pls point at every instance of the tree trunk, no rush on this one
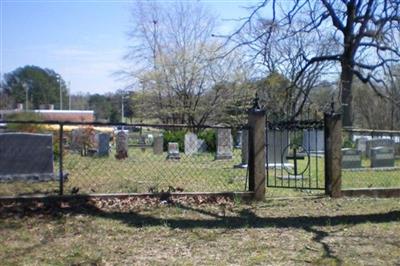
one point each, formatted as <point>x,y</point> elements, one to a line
<point>346,80</point>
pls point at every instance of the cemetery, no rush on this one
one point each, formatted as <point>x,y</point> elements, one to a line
<point>199,132</point>
<point>116,162</point>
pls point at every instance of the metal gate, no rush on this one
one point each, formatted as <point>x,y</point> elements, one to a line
<point>295,154</point>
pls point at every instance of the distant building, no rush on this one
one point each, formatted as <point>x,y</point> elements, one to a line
<point>47,113</point>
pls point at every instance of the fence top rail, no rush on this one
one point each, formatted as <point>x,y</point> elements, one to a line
<point>296,124</point>
<point>371,131</point>
<point>68,123</point>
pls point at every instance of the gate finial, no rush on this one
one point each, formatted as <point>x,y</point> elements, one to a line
<point>332,106</point>
<point>256,104</point>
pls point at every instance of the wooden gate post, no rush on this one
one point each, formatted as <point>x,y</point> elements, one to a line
<point>333,154</point>
<point>256,163</point>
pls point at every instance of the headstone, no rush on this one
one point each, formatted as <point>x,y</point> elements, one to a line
<point>238,142</point>
<point>244,150</point>
<point>313,141</point>
<point>158,145</point>
<point>26,157</point>
<point>142,140</point>
<point>83,140</point>
<point>277,148</point>
<point>201,145</point>
<point>173,151</point>
<point>121,145</point>
<point>76,136</point>
<point>373,143</point>
<point>361,145</point>
<point>382,157</point>
<point>351,158</point>
<point>142,143</point>
<point>103,144</point>
<point>224,144</point>
<point>397,149</point>
<point>190,143</point>
<point>149,139</point>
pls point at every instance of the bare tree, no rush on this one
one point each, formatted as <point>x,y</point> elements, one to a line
<point>363,35</point>
<point>176,62</point>
<point>287,56</point>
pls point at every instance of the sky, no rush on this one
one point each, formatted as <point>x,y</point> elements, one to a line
<point>83,40</point>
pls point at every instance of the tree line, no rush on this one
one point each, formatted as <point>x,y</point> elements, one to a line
<point>298,60</point>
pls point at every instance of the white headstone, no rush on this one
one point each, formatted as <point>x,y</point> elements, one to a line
<point>191,146</point>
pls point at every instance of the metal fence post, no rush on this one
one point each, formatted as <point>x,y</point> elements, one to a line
<point>333,154</point>
<point>256,120</point>
<point>60,158</point>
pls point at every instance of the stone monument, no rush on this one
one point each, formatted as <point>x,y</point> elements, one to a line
<point>224,144</point>
<point>26,157</point>
<point>351,158</point>
<point>121,145</point>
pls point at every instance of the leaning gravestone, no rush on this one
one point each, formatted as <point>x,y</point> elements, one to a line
<point>277,148</point>
<point>201,145</point>
<point>351,158</point>
<point>173,151</point>
<point>224,144</point>
<point>245,149</point>
<point>26,157</point>
<point>382,157</point>
<point>103,144</point>
<point>373,143</point>
<point>361,145</point>
<point>190,143</point>
<point>313,141</point>
<point>121,145</point>
<point>158,145</point>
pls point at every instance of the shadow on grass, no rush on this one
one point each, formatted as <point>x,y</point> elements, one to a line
<point>244,218</point>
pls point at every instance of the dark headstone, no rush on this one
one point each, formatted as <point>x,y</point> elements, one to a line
<point>397,150</point>
<point>382,157</point>
<point>351,158</point>
<point>26,157</point>
<point>378,143</point>
<point>239,137</point>
<point>103,144</point>
<point>121,145</point>
<point>158,145</point>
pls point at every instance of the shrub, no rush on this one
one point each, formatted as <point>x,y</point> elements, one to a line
<point>25,116</point>
<point>210,137</point>
<point>174,136</point>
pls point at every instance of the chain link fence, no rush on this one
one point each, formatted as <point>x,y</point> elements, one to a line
<point>370,159</point>
<point>113,158</point>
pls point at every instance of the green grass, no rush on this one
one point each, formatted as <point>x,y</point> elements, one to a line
<point>371,177</point>
<point>322,231</point>
<point>143,171</point>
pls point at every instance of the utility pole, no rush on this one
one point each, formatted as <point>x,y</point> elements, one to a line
<point>59,83</point>
<point>122,108</point>
<point>69,95</point>
<point>26,87</point>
